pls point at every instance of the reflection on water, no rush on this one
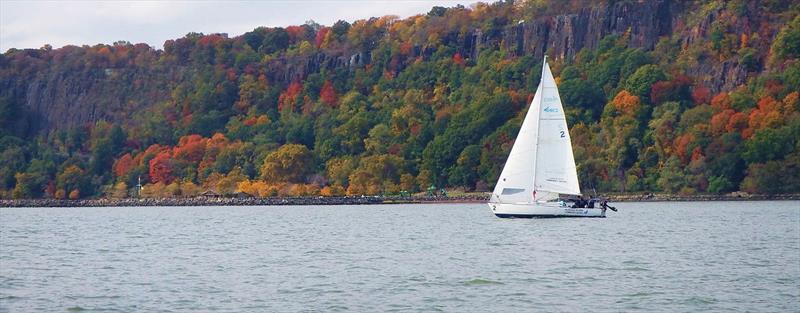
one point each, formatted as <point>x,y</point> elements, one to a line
<point>685,256</point>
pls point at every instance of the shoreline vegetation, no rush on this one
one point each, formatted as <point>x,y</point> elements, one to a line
<point>359,200</point>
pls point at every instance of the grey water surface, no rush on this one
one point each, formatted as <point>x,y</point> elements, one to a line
<point>678,256</point>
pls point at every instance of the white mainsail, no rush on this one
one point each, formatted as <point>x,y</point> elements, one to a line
<point>541,164</point>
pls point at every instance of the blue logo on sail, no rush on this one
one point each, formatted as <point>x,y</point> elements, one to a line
<point>551,110</point>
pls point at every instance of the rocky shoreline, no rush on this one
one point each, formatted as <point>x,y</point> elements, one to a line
<point>356,200</point>
<point>222,201</point>
<point>734,196</point>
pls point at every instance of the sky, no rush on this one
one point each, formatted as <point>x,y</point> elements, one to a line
<point>32,24</point>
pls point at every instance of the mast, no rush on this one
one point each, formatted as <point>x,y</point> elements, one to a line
<point>538,128</point>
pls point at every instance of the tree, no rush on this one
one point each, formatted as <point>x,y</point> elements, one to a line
<point>787,43</point>
<point>771,144</point>
<point>584,96</point>
<point>642,80</point>
<point>379,140</point>
<point>328,94</point>
<point>465,173</point>
<point>290,163</point>
<point>339,169</point>
<point>161,168</point>
<point>275,39</point>
<point>12,161</point>
<point>123,165</point>
<point>28,185</point>
<point>773,176</point>
<point>75,180</point>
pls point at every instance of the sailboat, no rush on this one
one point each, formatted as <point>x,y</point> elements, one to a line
<point>541,166</point>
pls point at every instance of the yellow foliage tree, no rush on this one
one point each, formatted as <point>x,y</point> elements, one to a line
<point>626,103</point>
<point>338,169</point>
<point>297,190</point>
<point>173,189</point>
<point>190,189</point>
<point>408,182</point>
<point>290,163</point>
<point>332,191</point>
<point>120,190</point>
<point>153,190</point>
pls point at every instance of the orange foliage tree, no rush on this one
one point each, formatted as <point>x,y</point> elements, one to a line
<point>289,98</point>
<point>123,165</point>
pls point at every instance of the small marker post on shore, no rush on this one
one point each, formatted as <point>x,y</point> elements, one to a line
<point>139,187</point>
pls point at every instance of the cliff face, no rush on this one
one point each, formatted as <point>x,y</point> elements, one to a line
<point>565,35</point>
<point>67,99</point>
<point>64,97</point>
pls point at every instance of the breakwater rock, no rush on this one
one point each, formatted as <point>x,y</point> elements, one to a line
<point>222,201</point>
<point>359,200</point>
<point>733,196</point>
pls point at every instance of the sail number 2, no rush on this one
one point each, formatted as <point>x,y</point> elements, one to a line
<point>562,133</point>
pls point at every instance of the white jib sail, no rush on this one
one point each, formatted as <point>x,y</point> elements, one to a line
<point>555,163</point>
<point>541,164</point>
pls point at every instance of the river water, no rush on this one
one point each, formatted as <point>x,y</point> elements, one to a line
<point>680,256</point>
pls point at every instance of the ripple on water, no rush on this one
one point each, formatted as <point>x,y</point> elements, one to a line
<point>481,281</point>
<point>428,258</point>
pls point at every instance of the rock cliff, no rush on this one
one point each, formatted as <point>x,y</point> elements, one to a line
<point>60,96</point>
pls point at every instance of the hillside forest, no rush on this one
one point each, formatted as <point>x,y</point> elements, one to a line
<point>661,96</point>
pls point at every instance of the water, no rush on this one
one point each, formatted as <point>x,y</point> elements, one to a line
<point>721,256</point>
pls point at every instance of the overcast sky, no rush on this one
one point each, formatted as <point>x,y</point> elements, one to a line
<point>32,24</point>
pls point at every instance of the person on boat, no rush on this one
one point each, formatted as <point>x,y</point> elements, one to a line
<point>590,204</point>
<point>604,205</point>
<point>579,203</point>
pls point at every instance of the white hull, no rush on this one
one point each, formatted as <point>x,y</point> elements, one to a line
<point>550,209</point>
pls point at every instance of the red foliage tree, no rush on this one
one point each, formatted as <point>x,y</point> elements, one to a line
<point>682,146</point>
<point>190,148</point>
<point>296,33</point>
<point>289,97</point>
<point>701,94</point>
<point>671,90</point>
<point>328,94</point>
<point>161,168</point>
<point>320,38</point>
<point>697,153</point>
<point>659,91</point>
<point>457,59</point>
<point>210,40</point>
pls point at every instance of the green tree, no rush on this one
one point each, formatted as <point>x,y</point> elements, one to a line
<point>643,79</point>
<point>29,185</point>
<point>465,173</point>
<point>787,43</point>
<point>74,178</point>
